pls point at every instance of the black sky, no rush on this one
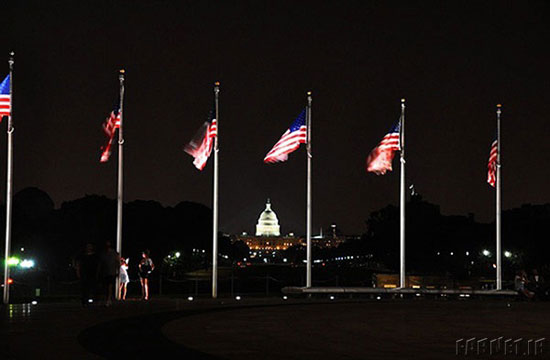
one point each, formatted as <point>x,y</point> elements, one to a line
<point>453,62</point>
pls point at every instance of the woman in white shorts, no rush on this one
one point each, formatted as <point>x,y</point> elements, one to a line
<point>124,279</point>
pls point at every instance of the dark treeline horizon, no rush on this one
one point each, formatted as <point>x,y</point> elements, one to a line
<point>435,242</point>
<point>59,204</point>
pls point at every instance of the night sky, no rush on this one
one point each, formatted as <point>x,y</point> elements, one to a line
<point>453,64</point>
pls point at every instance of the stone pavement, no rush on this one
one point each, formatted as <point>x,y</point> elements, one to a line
<point>269,328</point>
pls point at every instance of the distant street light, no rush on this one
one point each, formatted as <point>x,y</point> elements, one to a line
<point>507,254</point>
<point>486,252</point>
<point>13,261</point>
<point>26,264</point>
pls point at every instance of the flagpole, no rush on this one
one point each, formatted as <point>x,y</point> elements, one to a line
<point>9,188</point>
<point>215,198</point>
<point>402,282</point>
<point>120,188</point>
<point>498,204</point>
<point>308,225</point>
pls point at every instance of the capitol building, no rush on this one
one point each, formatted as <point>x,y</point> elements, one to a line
<point>268,224</point>
<point>268,234</point>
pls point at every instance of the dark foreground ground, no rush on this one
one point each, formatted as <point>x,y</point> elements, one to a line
<point>269,329</point>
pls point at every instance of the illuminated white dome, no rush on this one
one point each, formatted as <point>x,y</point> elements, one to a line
<point>268,224</point>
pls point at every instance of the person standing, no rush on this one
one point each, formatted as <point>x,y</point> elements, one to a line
<point>145,266</point>
<point>537,284</point>
<point>109,266</point>
<point>124,279</point>
<point>86,271</point>
<point>521,284</point>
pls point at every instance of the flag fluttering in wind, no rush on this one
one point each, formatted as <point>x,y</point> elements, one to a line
<point>106,151</point>
<point>200,147</point>
<point>5,98</point>
<point>109,127</point>
<point>380,158</point>
<point>492,166</point>
<point>290,141</point>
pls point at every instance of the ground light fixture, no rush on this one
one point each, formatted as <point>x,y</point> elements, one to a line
<point>190,298</point>
<point>238,298</point>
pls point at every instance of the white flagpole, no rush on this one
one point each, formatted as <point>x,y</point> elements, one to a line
<point>120,196</point>
<point>308,217</point>
<point>402,282</point>
<point>9,188</point>
<point>215,199</point>
<point>498,205</point>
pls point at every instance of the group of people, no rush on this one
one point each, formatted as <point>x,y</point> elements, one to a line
<point>100,271</point>
<point>531,286</point>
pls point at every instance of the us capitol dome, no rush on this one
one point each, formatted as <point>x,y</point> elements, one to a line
<point>268,224</point>
<point>268,238</point>
<point>268,235</point>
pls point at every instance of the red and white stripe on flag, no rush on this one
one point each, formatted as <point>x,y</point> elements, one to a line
<point>106,153</point>
<point>380,158</point>
<point>109,127</point>
<point>289,142</point>
<point>5,105</point>
<point>201,152</point>
<point>111,124</point>
<point>5,97</point>
<point>492,166</point>
<point>295,135</point>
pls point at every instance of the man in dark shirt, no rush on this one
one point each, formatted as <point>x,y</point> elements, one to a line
<point>109,266</point>
<point>86,270</point>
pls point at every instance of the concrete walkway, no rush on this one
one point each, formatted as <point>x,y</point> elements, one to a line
<point>270,328</point>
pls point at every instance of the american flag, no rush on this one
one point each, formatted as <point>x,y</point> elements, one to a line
<point>492,166</point>
<point>106,151</point>
<point>5,98</point>
<point>380,158</point>
<point>290,141</point>
<point>112,123</point>
<point>109,127</point>
<point>201,146</point>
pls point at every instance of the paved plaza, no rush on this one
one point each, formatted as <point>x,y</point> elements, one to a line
<point>272,328</point>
